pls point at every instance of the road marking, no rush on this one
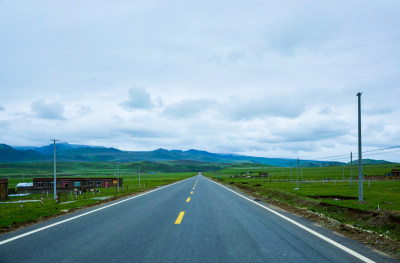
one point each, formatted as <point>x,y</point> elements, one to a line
<point>188,200</point>
<point>340,246</point>
<point>191,192</point>
<point>179,219</point>
<point>84,214</point>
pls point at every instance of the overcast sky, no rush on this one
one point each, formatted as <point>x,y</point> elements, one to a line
<point>261,78</point>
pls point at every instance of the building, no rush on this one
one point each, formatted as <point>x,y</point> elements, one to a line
<point>41,185</point>
<point>396,172</point>
<point>3,189</point>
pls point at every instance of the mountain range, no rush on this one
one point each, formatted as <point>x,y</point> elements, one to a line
<point>66,152</point>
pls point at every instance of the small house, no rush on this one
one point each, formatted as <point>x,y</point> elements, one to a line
<point>3,189</point>
<point>41,185</point>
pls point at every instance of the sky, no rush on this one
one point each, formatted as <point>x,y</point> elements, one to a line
<point>260,78</point>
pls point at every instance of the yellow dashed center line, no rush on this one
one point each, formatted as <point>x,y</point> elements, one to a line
<point>179,219</point>
<point>181,214</point>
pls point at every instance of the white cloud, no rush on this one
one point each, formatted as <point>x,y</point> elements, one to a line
<point>188,108</point>
<point>138,98</point>
<point>264,105</point>
<point>51,110</point>
<point>263,78</point>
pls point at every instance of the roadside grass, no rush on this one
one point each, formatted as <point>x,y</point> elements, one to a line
<point>307,173</point>
<point>322,190</point>
<point>12,216</point>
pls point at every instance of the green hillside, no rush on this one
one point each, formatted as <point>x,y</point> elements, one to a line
<point>10,155</point>
<point>83,153</point>
<point>26,171</point>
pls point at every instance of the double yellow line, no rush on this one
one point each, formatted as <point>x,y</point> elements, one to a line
<point>182,213</point>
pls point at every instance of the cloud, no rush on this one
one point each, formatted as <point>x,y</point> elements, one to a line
<point>146,133</point>
<point>44,110</point>
<point>278,105</point>
<point>188,108</point>
<point>269,78</point>
<point>309,34</point>
<point>2,108</point>
<point>84,110</point>
<point>320,130</point>
<point>138,98</point>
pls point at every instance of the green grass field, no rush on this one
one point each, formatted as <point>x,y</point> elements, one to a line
<point>11,214</point>
<point>306,173</point>
<point>326,191</point>
<point>317,182</point>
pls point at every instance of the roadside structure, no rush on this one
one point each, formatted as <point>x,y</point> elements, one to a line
<point>395,172</point>
<point>3,189</point>
<point>41,185</point>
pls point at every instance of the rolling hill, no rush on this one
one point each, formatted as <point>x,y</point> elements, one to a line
<point>82,153</point>
<point>10,155</point>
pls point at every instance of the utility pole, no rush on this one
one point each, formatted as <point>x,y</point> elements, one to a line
<point>139,176</point>
<point>291,170</point>
<point>351,168</point>
<point>262,175</point>
<point>118,177</point>
<point>343,172</point>
<point>55,172</point>
<point>360,176</point>
<point>297,173</point>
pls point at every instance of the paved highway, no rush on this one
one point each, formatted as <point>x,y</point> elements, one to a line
<point>195,220</point>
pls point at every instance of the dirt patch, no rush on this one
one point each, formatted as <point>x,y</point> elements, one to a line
<point>387,219</point>
<point>334,197</point>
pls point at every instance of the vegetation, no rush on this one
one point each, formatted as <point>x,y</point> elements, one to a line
<point>13,216</point>
<point>83,153</point>
<point>326,191</point>
<point>24,172</point>
<point>323,191</point>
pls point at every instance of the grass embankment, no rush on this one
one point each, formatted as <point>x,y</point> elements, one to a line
<point>12,216</point>
<point>324,193</point>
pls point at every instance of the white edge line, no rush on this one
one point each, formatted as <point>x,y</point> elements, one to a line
<point>348,250</point>
<point>84,214</point>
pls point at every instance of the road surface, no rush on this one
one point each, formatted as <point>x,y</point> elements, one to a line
<point>195,220</point>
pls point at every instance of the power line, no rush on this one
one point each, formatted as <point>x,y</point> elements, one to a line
<point>373,154</point>
<point>382,149</point>
<point>346,155</point>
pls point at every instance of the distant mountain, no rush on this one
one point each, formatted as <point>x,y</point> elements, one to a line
<point>370,161</point>
<point>68,169</point>
<point>49,149</point>
<point>10,155</point>
<point>173,166</point>
<point>83,153</point>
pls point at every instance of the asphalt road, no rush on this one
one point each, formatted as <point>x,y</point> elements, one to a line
<point>214,225</point>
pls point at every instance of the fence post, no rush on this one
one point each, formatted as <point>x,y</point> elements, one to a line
<point>41,200</point>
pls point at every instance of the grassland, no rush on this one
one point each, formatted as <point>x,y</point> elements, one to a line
<point>13,216</point>
<point>323,191</point>
<point>326,191</point>
<point>320,182</point>
<point>24,172</point>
